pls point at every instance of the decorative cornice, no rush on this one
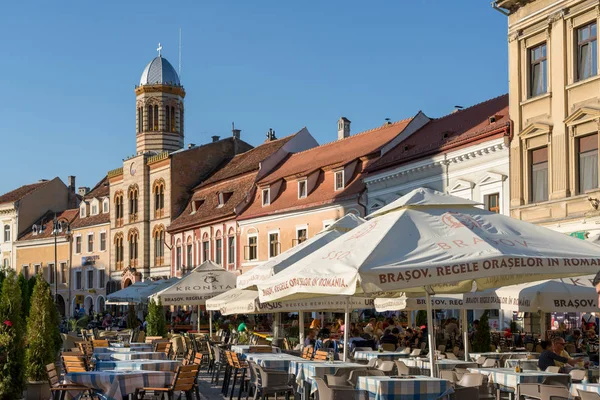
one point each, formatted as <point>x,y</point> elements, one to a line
<point>515,35</point>
<point>178,90</point>
<point>557,16</point>
<point>452,160</point>
<point>115,172</point>
<point>158,157</point>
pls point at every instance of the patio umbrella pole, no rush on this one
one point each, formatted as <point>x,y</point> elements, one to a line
<point>301,327</point>
<point>465,331</point>
<point>430,332</point>
<point>346,327</point>
<point>209,324</point>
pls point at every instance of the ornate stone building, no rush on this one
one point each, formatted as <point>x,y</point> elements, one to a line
<point>154,185</point>
<point>554,103</point>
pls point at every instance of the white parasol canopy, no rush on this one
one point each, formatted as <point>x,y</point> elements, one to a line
<point>138,292</point>
<point>296,253</point>
<point>203,282</point>
<point>244,301</point>
<point>429,242</point>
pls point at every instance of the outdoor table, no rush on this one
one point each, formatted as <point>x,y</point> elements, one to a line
<point>137,346</point>
<point>279,361</point>
<point>112,349</point>
<point>386,355</point>
<point>245,348</point>
<point>404,388</point>
<point>140,355</point>
<point>443,364</point>
<point>497,356</point>
<point>530,365</point>
<point>116,384</point>
<point>588,387</point>
<point>320,369</point>
<point>138,365</point>
<point>508,380</point>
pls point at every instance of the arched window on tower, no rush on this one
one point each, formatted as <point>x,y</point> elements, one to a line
<point>139,119</point>
<point>155,118</point>
<point>159,198</point>
<point>119,250</point>
<point>159,246</point>
<point>172,126</point>
<point>167,119</point>
<point>132,195</point>
<point>119,209</point>
<point>133,248</point>
<point>181,121</point>
<point>150,119</point>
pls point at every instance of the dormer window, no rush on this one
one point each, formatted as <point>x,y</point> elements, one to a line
<point>302,189</point>
<point>223,197</point>
<point>82,210</point>
<point>94,207</point>
<point>196,204</point>
<point>266,197</point>
<point>105,206</point>
<point>339,180</point>
<point>35,230</point>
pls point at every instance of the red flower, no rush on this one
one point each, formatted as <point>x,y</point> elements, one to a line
<point>7,323</point>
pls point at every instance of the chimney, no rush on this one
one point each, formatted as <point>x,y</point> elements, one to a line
<point>191,145</point>
<point>271,135</point>
<point>343,128</point>
<point>235,132</point>
<point>71,183</point>
<point>215,138</point>
<point>82,191</point>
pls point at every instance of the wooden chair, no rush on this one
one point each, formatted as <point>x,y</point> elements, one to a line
<point>57,389</point>
<point>151,339</point>
<point>99,343</point>
<point>74,364</point>
<point>321,355</point>
<point>307,353</point>
<point>183,381</point>
<point>163,347</point>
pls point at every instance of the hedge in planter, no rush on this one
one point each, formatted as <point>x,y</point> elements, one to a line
<point>12,332</point>
<point>41,331</point>
<point>156,323</point>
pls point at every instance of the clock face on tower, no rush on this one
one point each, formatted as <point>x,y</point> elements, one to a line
<point>132,169</point>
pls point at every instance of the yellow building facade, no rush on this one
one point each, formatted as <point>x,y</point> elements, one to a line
<point>554,103</point>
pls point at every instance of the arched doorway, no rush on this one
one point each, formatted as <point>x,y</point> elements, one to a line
<point>100,304</point>
<point>60,305</point>
<point>89,303</point>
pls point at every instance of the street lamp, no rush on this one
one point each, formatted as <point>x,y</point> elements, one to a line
<point>56,229</point>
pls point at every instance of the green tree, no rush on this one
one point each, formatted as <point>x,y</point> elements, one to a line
<point>421,318</point>
<point>132,321</point>
<point>12,333</point>
<point>156,323</point>
<point>25,294</point>
<point>2,276</point>
<point>481,338</point>
<point>41,331</point>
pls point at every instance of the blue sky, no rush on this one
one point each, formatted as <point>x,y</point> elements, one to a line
<point>69,69</point>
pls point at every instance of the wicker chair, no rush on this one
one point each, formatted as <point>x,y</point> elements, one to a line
<point>338,392</point>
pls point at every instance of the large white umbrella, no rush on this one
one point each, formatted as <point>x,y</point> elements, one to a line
<point>138,292</point>
<point>245,301</point>
<point>430,243</point>
<point>296,253</point>
<point>202,283</point>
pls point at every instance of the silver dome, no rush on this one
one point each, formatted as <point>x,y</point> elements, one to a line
<point>159,72</point>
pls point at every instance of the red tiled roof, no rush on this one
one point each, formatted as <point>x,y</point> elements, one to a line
<point>339,152</point>
<point>21,192</point>
<point>46,220</point>
<point>90,220</point>
<point>102,189</point>
<point>208,210</point>
<point>462,128</point>
<point>247,162</point>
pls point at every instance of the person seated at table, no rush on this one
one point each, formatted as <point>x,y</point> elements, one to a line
<point>242,326</point>
<point>591,345</point>
<point>552,352</point>
<point>310,339</point>
<point>389,337</point>
<point>408,339</point>
<point>315,324</point>
<point>354,337</point>
<point>576,339</point>
<point>370,327</point>
<point>107,322</point>
<point>325,332</point>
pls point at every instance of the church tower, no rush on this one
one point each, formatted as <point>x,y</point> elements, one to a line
<point>159,108</point>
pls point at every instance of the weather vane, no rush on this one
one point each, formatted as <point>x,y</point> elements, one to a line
<point>159,48</point>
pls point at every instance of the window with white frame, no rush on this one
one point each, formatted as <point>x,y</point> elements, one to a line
<point>102,241</point>
<point>178,259</point>
<point>301,234</point>
<point>189,256</point>
<point>78,244</point>
<point>302,189</point>
<point>7,233</point>
<point>36,269</point>
<point>90,278</point>
<point>63,272</point>
<point>25,271</point>
<point>105,206</point>
<point>90,242</point>
<point>219,251</point>
<point>266,197</point>
<point>82,210</point>
<point>51,274</point>
<point>78,280</point>
<point>339,180</point>
<point>274,246</point>
<point>94,208</point>
<point>231,249</point>
<point>252,247</point>
<point>205,250</point>
<point>492,202</point>
<point>101,279</point>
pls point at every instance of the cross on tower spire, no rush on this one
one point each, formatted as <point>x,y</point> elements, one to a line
<point>159,48</point>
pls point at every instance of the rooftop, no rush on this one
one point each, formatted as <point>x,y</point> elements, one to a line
<point>21,192</point>
<point>46,221</point>
<point>159,71</point>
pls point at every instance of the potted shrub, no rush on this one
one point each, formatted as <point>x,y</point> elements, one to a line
<point>156,323</point>
<point>42,333</point>
<point>12,333</point>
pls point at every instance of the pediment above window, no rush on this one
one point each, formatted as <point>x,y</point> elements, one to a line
<point>461,184</point>
<point>582,115</point>
<point>492,177</point>
<point>535,129</point>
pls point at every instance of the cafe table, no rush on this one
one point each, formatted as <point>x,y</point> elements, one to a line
<point>528,365</point>
<point>278,361</point>
<point>498,356</point>
<point>443,364</point>
<point>245,348</point>
<point>135,346</point>
<point>507,379</point>
<point>404,387</point>
<point>140,355</point>
<point>138,365</point>
<point>385,355</point>
<point>308,370</point>
<point>114,385</point>
<point>114,349</point>
<point>587,387</point>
